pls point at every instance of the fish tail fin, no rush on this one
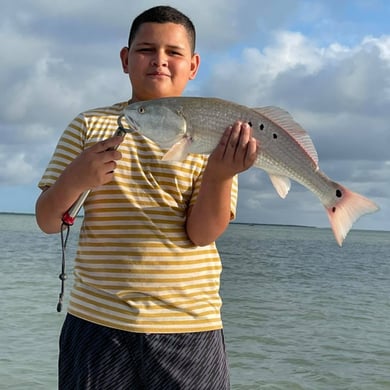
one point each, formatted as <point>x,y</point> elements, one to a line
<point>348,210</point>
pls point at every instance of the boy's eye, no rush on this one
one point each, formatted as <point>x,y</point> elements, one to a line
<point>152,50</point>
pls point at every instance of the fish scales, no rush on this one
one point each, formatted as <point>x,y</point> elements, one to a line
<point>195,125</point>
<point>206,127</point>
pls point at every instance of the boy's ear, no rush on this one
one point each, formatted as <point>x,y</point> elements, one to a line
<point>124,55</point>
<point>195,62</point>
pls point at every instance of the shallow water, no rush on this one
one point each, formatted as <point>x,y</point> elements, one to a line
<point>299,312</point>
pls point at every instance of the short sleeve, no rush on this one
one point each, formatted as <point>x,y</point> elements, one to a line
<point>69,146</point>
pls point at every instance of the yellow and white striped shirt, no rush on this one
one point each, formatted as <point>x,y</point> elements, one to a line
<point>135,267</point>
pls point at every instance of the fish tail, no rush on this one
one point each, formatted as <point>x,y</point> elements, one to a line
<point>346,211</point>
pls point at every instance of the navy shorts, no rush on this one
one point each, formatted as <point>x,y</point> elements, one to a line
<point>97,357</point>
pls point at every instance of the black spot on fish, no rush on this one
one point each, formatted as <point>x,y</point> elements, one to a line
<point>250,123</point>
<point>274,135</point>
<point>261,127</point>
<point>339,194</point>
<point>333,209</point>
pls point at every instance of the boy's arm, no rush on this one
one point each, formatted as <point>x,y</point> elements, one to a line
<point>208,218</point>
<point>92,168</point>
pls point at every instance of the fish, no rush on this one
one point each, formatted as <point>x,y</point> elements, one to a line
<point>286,152</point>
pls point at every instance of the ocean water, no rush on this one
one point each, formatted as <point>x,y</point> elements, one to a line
<point>299,312</point>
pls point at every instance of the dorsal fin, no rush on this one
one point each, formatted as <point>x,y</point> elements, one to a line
<point>283,119</point>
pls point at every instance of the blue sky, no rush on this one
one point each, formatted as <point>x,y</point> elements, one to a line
<point>326,62</point>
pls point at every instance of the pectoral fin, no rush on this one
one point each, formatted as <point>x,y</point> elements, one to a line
<point>179,150</point>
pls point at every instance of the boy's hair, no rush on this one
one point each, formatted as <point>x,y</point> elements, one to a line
<point>163,14</point>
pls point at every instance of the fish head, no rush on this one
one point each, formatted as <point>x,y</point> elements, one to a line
<point>157,121</point>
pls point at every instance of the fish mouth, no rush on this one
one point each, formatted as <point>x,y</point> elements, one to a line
<point>132,123</point>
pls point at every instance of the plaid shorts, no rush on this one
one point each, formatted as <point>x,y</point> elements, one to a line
<point>97,357</point>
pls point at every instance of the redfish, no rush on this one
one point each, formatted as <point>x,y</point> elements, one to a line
<point>195,125</point>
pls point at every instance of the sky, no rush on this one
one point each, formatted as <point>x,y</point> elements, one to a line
<point>327,62</point>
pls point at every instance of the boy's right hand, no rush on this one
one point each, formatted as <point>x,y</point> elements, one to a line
<point>94,166</point>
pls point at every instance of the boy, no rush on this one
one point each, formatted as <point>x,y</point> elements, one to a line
<point>144,311</point>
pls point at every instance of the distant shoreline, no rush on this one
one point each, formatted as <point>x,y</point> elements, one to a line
<point>232,223</point>
<point>14,213</point>
<point>25,214</point>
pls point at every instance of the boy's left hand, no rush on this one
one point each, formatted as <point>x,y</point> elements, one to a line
<point>235,153</point>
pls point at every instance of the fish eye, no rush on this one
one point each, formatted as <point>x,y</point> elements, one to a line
<point>141,110</point>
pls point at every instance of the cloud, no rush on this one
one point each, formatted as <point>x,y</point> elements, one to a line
<point>322,61</point>
<point>339,93</point>
<point>16,169</point>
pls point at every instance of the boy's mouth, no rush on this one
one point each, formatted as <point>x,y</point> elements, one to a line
<point>158,74</point>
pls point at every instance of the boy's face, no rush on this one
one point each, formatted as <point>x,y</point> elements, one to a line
<point>160,61</point>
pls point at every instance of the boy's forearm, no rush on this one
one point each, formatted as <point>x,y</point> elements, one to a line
<point>52,204</point>
<point>210,215</point>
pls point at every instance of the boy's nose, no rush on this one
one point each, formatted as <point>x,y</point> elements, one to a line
<point>160,59</point>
